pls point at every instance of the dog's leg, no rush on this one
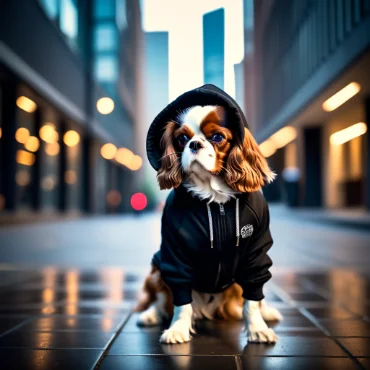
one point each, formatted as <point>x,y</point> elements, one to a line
<point>155,313</point>
<point>269,313</point>
<point>257,329</point>
<point>181,326</point>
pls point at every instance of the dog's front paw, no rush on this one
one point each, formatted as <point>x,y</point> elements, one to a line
<point>266,335</point>
<point>173,336</point>
<point>179,332</point>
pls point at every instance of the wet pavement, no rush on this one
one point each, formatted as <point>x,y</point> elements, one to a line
<point>66,301</point>
<point>82,319</point>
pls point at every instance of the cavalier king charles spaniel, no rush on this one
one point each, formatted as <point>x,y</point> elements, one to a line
<point>205,163</point>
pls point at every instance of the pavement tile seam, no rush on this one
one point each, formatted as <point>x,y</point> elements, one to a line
<point>16,327</point>
<point>326,294</point>
<point>327,332</point>
<point>111,341</point>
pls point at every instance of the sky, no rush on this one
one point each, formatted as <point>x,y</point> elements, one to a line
<point>183,20</point>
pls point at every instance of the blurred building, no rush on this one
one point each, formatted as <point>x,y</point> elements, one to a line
<point>156,97</point>
<point>312,105</point>
<point>214,47</point>
<point>59,138</point>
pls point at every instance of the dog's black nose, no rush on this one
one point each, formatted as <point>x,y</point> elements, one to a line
<point>195,146</point>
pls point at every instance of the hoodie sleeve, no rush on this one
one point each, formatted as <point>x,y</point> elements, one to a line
<point>253,269</point>
<point>176,268</point>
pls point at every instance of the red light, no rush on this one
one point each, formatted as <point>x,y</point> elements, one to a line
<point>138,201</point>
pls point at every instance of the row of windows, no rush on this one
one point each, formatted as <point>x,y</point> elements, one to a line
<point>298,38</point>
<point>109,20</point>
<point>65,14</point>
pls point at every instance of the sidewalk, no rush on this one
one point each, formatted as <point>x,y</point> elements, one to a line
<point>356,218</point>
<point>81,319</point>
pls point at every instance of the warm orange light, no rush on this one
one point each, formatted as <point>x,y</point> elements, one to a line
<point>52,149</point>
<point>284,136</point>
<point>21,135</point>
<point>124,156</point>
<point>341,97</point>
<point>70,177</point>
<point>135,163</point>
<point>71,138</point>
<point>25,158</point>
<point>268,148</point>
<point>48,133</point>
<point>108,151</point>
<point>26,104</point>
<point>32,144</point>
<point>1,132</point>
<point>105,105</point>
<point>348,133</point>
<point>22,178</point>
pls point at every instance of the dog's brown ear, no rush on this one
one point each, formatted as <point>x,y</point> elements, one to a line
<point>246,167</point>
<point>170,174</point>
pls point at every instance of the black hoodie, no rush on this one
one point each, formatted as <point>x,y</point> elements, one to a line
<point>207,247</point>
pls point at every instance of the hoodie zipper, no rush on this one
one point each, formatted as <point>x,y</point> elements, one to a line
<point>221,222</point>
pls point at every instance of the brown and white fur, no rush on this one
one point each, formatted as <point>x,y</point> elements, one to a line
<point>215,167</point>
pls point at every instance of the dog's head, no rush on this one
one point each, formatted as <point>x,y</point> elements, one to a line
<point>202,135</point>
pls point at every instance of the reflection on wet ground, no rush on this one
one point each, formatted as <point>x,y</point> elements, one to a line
<point>82,319</point>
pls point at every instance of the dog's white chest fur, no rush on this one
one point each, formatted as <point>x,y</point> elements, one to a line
<point>203,184</point>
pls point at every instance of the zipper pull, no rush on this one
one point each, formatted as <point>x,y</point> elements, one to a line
<point>222,210</point>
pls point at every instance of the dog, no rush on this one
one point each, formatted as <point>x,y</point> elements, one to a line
<point>213,258</point>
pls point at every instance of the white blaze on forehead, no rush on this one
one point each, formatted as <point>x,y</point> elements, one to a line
<point>194,116</point>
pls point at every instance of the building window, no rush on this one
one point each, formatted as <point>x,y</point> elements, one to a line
<point>69,19</point>
<point>64,13</point>
<point>105,38</point>
<point>104,9</point>
<point>121,16</point>
<point>106,68</point>
<point>51,8</point>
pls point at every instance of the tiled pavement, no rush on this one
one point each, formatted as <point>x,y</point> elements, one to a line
<point>81,319</point>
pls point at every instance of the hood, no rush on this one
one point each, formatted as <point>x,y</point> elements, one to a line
<point>204,95</point>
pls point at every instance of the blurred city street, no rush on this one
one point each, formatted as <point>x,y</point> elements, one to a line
<point>129,241</point>
<point>67,290</point>
<point>83,82</point>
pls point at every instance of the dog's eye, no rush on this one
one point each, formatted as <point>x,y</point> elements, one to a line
<point>217,138</point>
<point>183,139</point>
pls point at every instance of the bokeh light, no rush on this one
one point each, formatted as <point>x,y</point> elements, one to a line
<point>114,198</point>
<point>21,135</point>
<point>108,151</point>
<point>105,105</point>
<point>25,158</point>
<point>70,177</point>
<point>26,104</point>
<point>139,201</point>
<point>52,149</point>
<point>22,178</point>
<point>71,138</point>
<point>32,144</point>
<point>48,133</point>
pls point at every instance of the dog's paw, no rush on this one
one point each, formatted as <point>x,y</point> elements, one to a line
<point>179,332</point>
<point>263,336</point>
<point>171,336</point>
<point>270,313</point>
<point>149,317</point>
